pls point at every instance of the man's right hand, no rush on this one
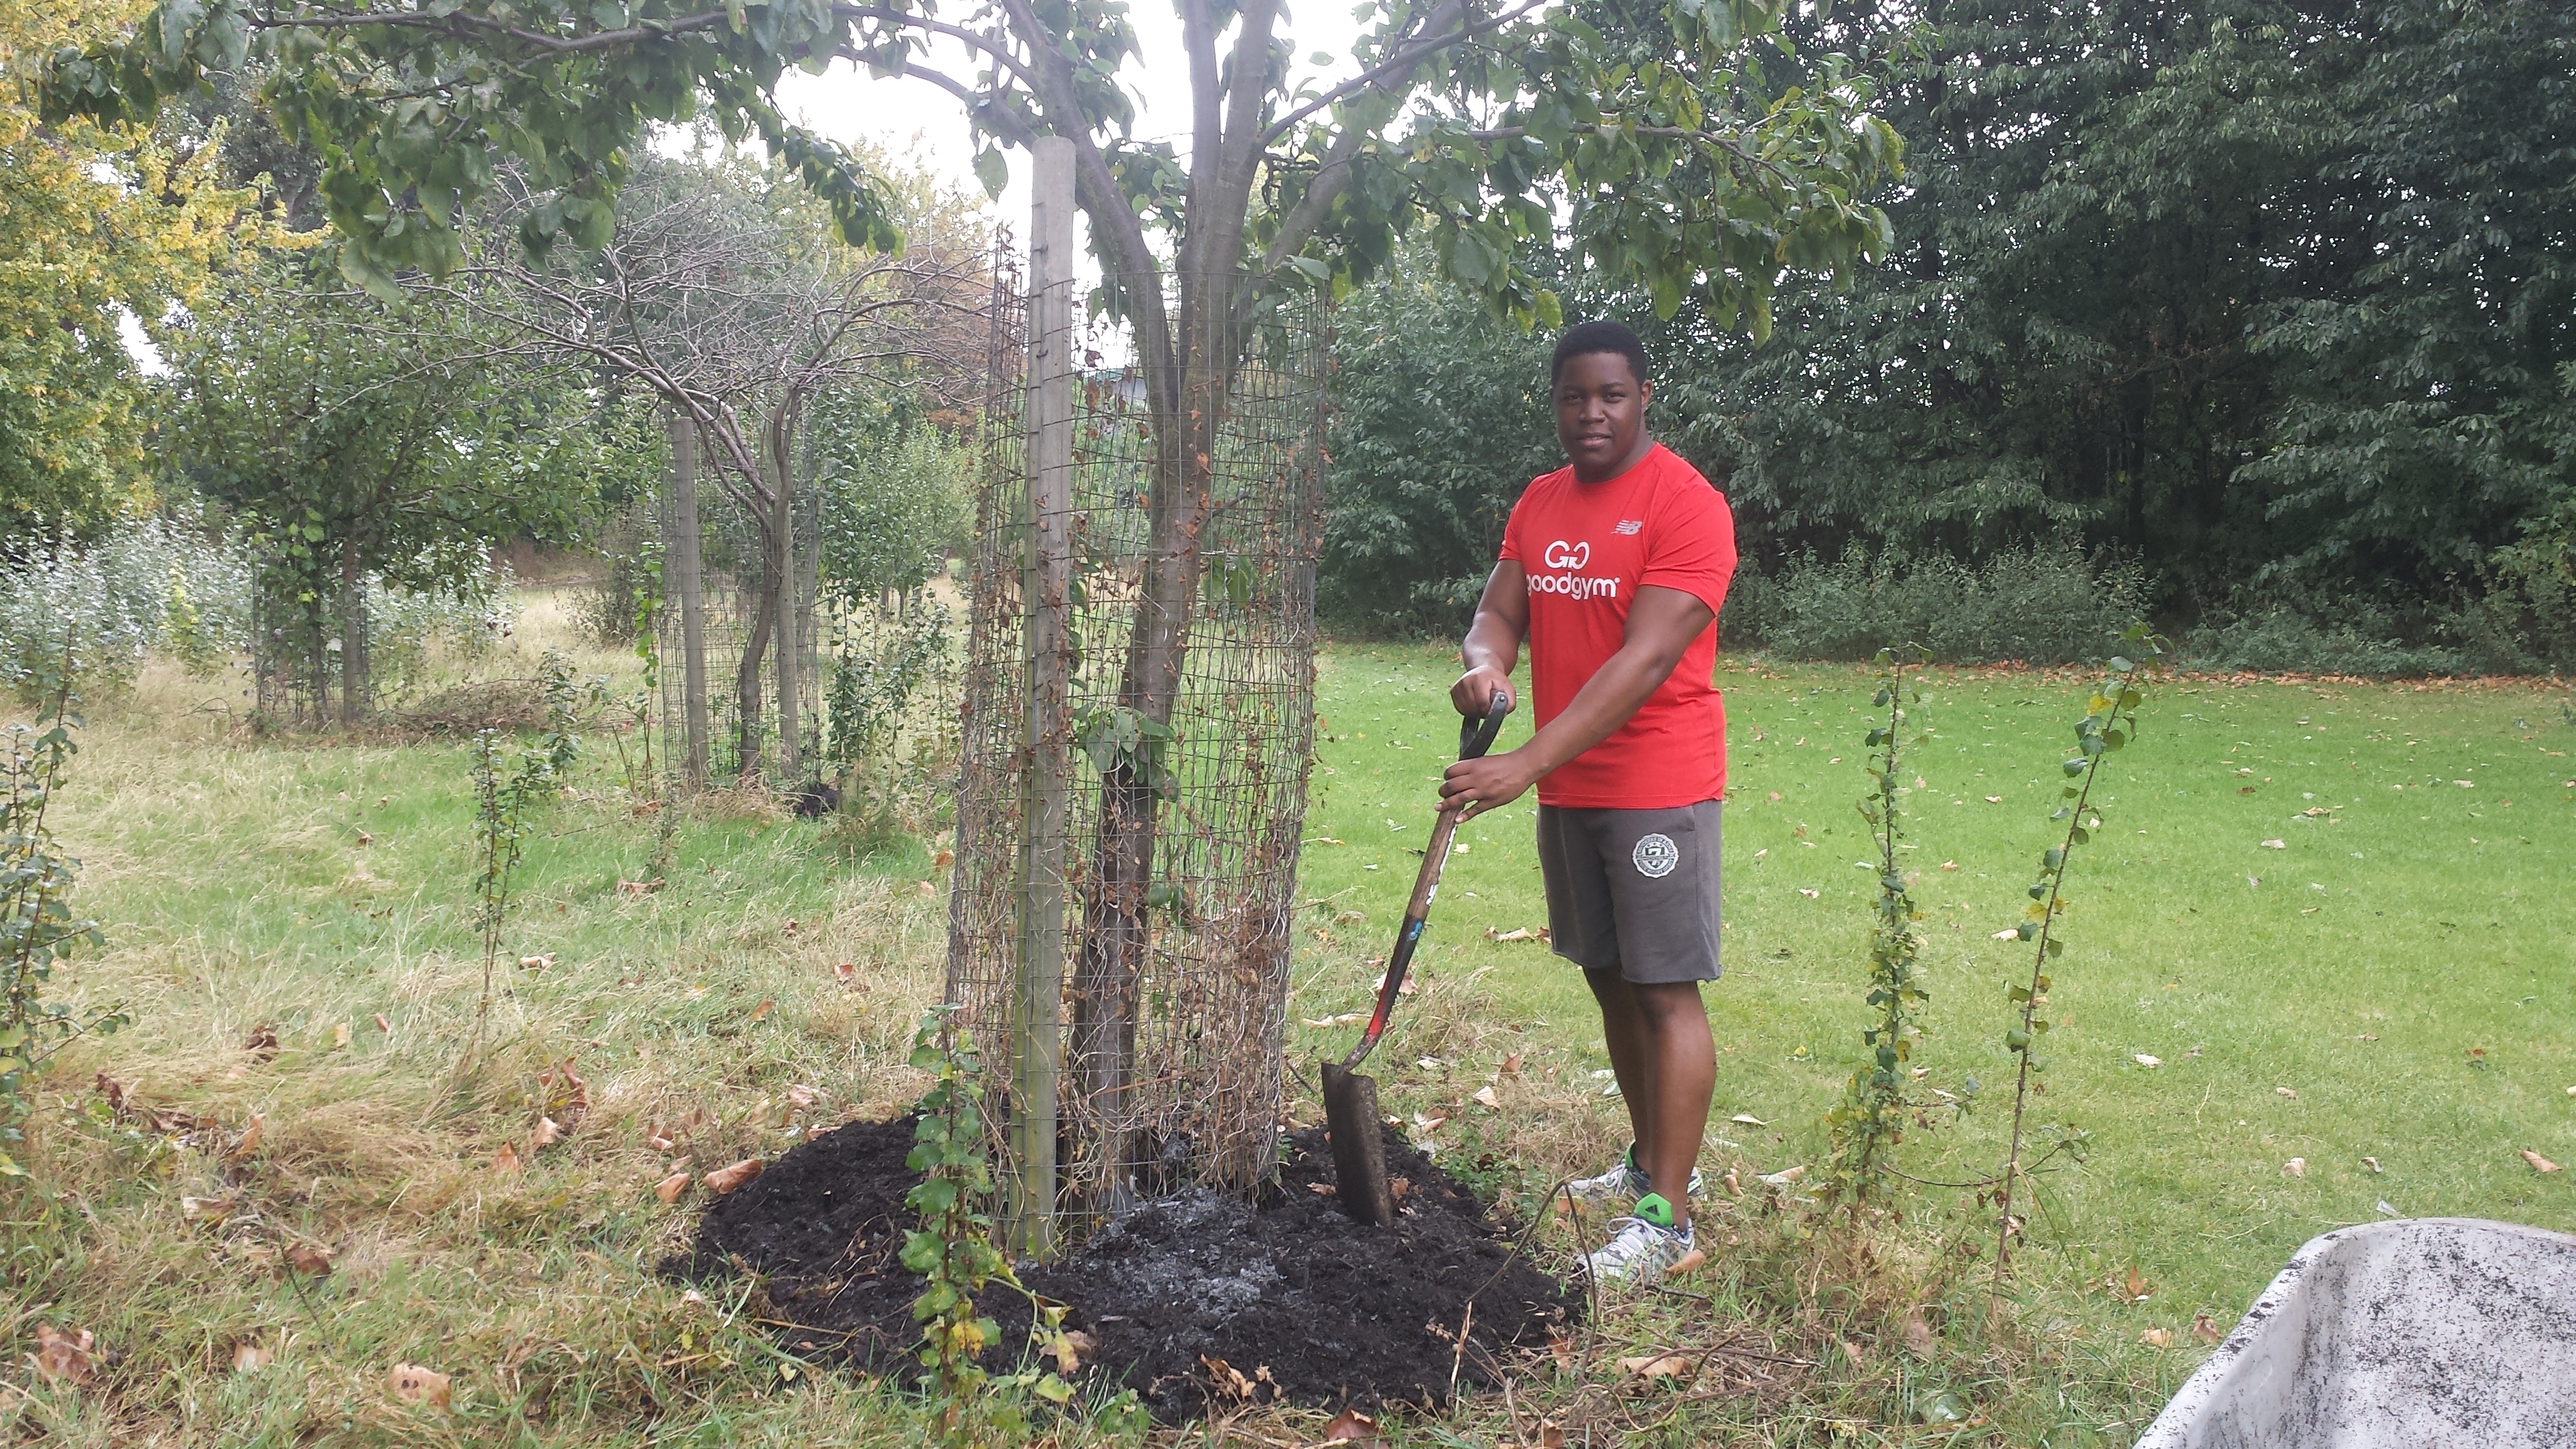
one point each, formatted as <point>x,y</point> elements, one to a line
<point>1473,694</point>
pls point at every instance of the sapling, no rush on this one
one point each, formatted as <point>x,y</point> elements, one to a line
<point>502,798</point>
<point>37,927</point>
<point>953,1248</point>
<point>2110,722</point>
<point>1870,1120</point>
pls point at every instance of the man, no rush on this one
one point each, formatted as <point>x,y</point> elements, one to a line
<point>1613,570</point>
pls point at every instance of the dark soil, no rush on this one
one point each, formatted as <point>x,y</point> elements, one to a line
<point>1289,1293</point>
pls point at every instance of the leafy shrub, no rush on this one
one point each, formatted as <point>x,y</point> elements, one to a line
<point>2046,603</point>
<point>154,584</point>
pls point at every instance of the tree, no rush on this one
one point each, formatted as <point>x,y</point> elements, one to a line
<point>96,230</point>
<point>723,294</point>
<point>364,439</point>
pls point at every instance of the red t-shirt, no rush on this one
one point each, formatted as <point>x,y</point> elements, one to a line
<point>1586,549</point>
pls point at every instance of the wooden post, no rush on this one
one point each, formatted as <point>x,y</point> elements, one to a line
<point>690,585</point>
<point>1037,1055</point>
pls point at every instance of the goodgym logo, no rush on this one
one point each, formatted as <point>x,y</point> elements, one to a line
<point>1572,557</point>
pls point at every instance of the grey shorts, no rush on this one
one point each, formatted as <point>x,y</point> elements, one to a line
<point>1633,889</point>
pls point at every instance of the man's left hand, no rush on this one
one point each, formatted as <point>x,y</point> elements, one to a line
<point>1476,786</point>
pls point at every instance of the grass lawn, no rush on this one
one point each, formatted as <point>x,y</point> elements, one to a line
<point>2399,967</point>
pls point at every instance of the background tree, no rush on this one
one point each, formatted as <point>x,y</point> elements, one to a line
<point>725,294</point>
<point>365,439</point>
<point>96,228</point>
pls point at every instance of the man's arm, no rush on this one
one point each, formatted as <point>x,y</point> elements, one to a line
<point>1661,625</point>
<point>1493,646</point>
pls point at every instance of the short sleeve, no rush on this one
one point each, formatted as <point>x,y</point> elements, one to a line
<point>1692,547</point>
<point>1511,549</point>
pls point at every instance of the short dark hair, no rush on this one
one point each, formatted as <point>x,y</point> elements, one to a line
<point>1589,337</point>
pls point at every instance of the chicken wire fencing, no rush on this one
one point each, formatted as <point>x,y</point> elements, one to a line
<point>1127,855</point>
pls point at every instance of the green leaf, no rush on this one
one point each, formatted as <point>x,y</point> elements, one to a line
<point>992,169</point>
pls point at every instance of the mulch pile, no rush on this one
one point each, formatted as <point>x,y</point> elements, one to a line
<point>1186,1298</point>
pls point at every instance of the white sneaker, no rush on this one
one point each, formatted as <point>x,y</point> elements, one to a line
<point>1639,1253</point>
<point>1624,1182</point>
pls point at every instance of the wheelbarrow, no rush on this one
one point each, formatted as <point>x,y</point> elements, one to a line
<point>2407,1334</point>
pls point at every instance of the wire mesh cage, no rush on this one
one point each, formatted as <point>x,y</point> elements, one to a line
<point>1155,947</point>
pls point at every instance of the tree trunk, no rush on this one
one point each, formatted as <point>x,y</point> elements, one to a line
<point>779,581</point>
<point>1118,936</point>
<point>690,584</point>
<point>353,638</point>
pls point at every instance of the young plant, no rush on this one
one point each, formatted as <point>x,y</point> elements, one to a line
<point>953,1248</point>
<point>2110,722</point>
<point>37,927</point>
<point>502,799</point>
<point>1870,1120</point>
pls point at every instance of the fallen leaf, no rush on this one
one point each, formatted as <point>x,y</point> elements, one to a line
<point>64,1357</point>
<point>2204,1329</point>
<point>566,1095</point>
<point>639,887</point>
<point>1512,1064</point>
<point>1350,1426</point>
<point>2142,1059</point>
<point>1949,865</point>
<point>1227,1380</point>
<point>1850,1350</point>
<point>846,973</point>
<point>2135,1288</point>
<point>1397,1187</point>
<point>339,1035</point>
<point>1734,1188</point>
<point>416,1385</point>
<point>383,1025</point>
<point>803,1096</point>
<point>309,1260</point>
<point>670,1188</point>
<point>1320,1189</point>
<point>507,1159</point>
<point>365,840</point>
<point>2371,1162</point>
<point>251,1134</point>
<point>1516,934</point>
<point>1561,1348</point>
<point>208,1209</point>
<point>2538,1162</point>
<point>791,928</point>
<point>1070,1346</point>
<point>546,1135</point>
<point>1994,799</point>
<point>1748,1119</point>
<point>2157,1338</point>
<point>1785,1176</point>
<point>2006,935</point>
<point>1550,1436</point>
<point>536,963</point>
<point>761,1012</point>
<point>1811,895</point>
<point>1657,1366</point>
<point>2276,845</point>
<point>2285,1091</point>
<point>943,860</point>
<point>261,1043</point>
<point>1485,1098</point>
<point>2295,1167</point>
<point>725,1179</point>
<point>249,1358</point>
<point>1919,1340</point>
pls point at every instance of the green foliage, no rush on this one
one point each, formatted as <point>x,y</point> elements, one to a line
<point>1440,416</point>
<point>953,1248</point>
<point>413,115</point>
<point>893,495</point>
<point>504,794</point>
<point>2110,721</point>
<point>172,584</point>
<point>37,928</point>
<point>1869,1122</point>
<point>2044,603</point>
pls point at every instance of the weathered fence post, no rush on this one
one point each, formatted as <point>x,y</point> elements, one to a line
<point>1037,1053</point>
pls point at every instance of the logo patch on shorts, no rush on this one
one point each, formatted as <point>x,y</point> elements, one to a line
<point>1656,855</point>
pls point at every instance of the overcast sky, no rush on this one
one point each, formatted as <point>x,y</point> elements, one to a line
<point>916,118</point>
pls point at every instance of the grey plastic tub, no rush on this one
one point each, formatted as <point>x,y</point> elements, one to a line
<point>2397,1335</point>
